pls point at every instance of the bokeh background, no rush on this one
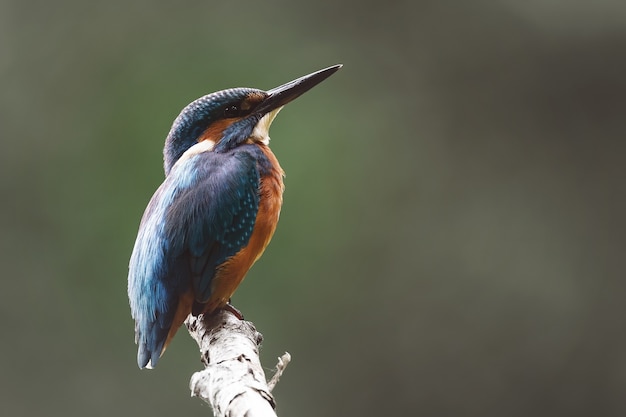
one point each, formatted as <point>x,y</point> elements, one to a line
<point>452,241</point>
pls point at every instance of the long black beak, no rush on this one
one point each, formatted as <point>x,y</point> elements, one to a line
<point>279,96</point>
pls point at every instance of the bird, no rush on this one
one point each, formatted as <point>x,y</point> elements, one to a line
<point>214,214</point>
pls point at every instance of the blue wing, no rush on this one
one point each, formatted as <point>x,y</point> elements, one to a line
<point>203,213</point>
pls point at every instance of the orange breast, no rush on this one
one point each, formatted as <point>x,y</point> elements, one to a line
<point>232,272</point>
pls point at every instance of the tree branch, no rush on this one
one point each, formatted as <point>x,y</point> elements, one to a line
<point>233,382</point>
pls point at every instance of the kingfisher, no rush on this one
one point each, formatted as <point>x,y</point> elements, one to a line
<point>213,215</point>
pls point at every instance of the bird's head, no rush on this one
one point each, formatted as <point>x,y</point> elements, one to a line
<point>229,118</point>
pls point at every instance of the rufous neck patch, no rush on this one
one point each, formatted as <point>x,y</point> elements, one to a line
<point>215,132</point>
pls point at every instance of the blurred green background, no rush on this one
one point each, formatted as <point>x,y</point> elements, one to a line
<point>452,241</point>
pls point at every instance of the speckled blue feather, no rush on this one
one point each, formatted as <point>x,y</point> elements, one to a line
<point>202,214</point>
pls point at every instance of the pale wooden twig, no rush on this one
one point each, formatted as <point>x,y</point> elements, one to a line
<point>283,361</point>
<point>233,382</point>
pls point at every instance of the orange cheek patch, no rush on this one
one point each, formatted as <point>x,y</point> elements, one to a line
<point>215,131</point>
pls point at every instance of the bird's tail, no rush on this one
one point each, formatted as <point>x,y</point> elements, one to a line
<point>153,341</point>
<point>151,345</point>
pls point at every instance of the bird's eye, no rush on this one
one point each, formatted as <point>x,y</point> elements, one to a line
<point>231,111</point>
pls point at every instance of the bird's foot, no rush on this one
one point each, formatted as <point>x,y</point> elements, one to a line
<point>229,307</point>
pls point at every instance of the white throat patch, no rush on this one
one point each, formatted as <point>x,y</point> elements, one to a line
<point>262,128</point>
